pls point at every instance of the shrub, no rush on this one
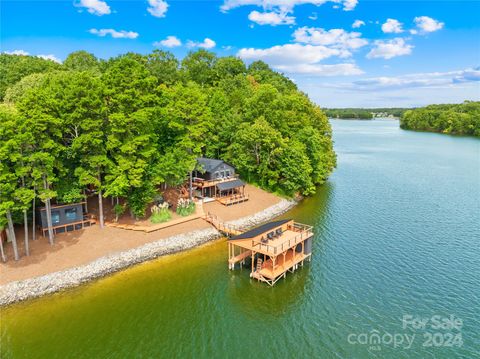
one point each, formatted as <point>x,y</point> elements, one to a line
<point>160,213</point>
<point>185,207</point>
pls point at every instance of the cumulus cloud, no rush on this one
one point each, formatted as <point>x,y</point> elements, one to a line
<point>349,5</point>
<point>122,34</point>
<point>170,41</point>
<point>344,69</point>
<point>416,80</point>
<point>95,7</point>
<point>17,52</point>
<point>300,59</point>
<point>334,38</point>
<point>426,24</point>
<point>157,8</point>
<point>206,43</point>
<point>50,57</point>
<point>277,12</point>
<point>468,75</point>
<point>357,23</point>
<point>392,26</point>
<point>271,18</point>
<point>390,48</point>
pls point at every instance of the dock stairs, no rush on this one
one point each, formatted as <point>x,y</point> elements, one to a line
<point>229,230</point>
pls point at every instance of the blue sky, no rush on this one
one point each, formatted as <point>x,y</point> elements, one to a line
<point>398,53</point>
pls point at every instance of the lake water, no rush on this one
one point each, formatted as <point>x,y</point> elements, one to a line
<point>397,235</point>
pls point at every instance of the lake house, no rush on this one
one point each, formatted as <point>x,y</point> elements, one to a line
<point>214,178</point>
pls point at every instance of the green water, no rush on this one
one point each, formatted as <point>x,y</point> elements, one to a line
<point>397,233</point>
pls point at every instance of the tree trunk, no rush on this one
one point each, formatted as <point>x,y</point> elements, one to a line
<point>190,187</point>
<point>25,219</point>
<point>4,257</point>
<point>100,205</point>
<point>34,230</point>
<point>86,201</point>
<point>48,209</point>
<point>12,237</point>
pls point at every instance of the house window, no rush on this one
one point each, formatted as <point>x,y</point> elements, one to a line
<point>71,214</point>
<point>55,217</point>
<point>227,173</point>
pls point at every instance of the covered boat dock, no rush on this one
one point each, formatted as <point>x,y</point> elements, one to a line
<point>275,248</point>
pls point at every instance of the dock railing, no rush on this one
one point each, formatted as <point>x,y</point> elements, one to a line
<point>305,231</point>
<point>229,229</point>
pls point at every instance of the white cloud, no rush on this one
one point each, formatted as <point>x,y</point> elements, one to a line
<point>345,69</point>
<point>122,34</point>
<point>415,89</point>
<point>427,24</point>
<point>95,7</point>
<point>157,8</point>
<point>334,38</point>
<point>300,59</point>
<point>279,12</point>
<point>392,26</point>
<point>206,43</point>
<point>17,52</point>
<point>50,57</point>
<point>357,23</point>
<point>271,18</point>
<point>429,79</point>
<point>390,48</point>
<point>468,75</point>
<point>25,53</point>
<point>170,41</point>
<point>349,5</point>
<point>290,54</point>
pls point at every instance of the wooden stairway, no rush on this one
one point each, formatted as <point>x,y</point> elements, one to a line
<point>227,229</point>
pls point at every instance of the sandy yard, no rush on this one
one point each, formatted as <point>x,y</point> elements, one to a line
<point>84,246</point>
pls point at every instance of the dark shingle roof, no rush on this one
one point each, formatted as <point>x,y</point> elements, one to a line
<point>223,186</point>
<point>208,164</point>
<point>260,229</point>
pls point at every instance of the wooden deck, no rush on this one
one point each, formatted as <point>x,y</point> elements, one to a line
<point>287,240</point>
<point>211,183</point>
<point>87,221</point>
<point>228,229</point>
<point>282,264</point>
<point>229,200</point>
<point>155,227</point>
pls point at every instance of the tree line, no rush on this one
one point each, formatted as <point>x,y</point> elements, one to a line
<point>125,125</point>
<point>363,113</point>
<point>456,119</point>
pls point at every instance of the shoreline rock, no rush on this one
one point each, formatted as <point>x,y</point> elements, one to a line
<point>50,283</point>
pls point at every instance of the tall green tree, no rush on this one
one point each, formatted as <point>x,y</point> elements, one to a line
<point>81,61</point>
<point>199,66</point>
<point>131,98</point>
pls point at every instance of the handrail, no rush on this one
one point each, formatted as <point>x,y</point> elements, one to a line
<point>298,238</point>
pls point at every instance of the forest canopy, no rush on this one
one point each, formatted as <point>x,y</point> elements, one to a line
<point>125,125</point>
<point>458,119</point>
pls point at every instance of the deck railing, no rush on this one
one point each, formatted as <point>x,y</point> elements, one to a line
<point>305,231</point>
<point>208,183</point>
<point>227,228</point>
